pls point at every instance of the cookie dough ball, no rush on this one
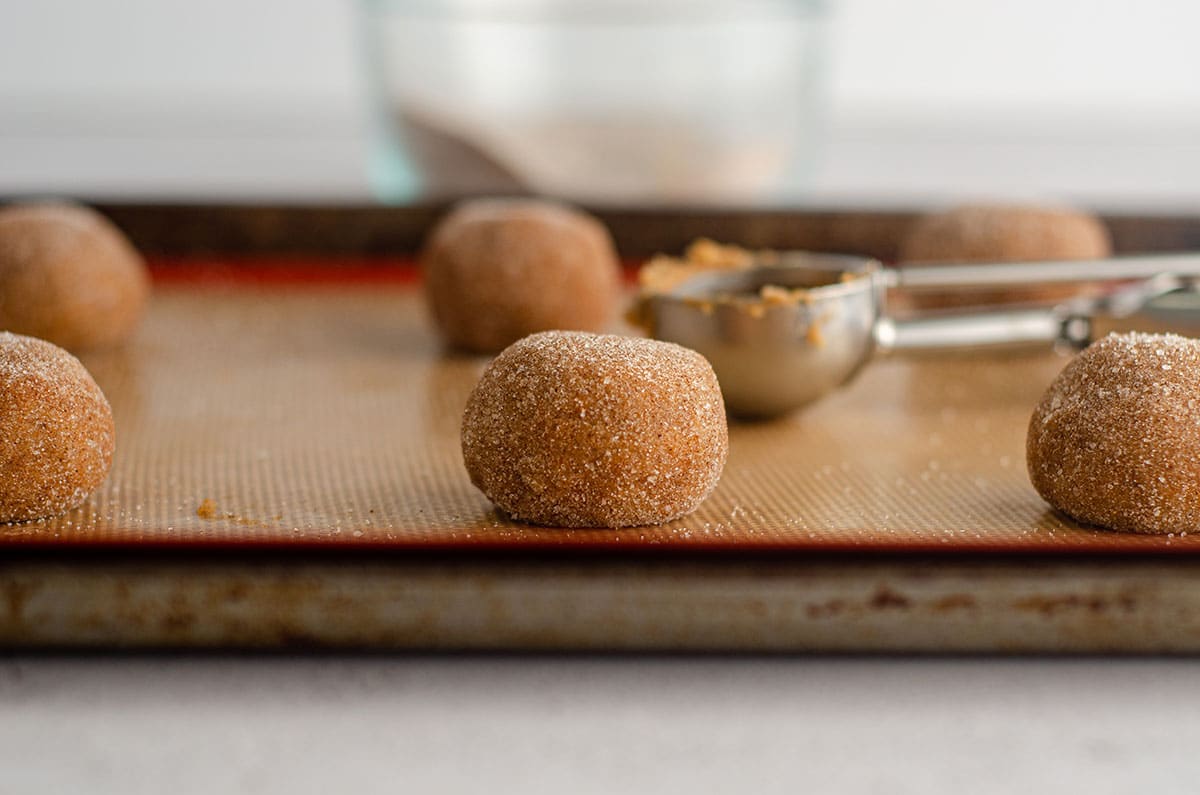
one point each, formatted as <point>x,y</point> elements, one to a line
<point>1115,441</point>
<point>499,269</point>
<point>586,430</point>
<point>56,430</point>
<point>69,276</point>
<point>1004,233</point>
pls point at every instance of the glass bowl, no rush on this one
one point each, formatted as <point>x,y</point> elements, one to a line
<point>602,101</point>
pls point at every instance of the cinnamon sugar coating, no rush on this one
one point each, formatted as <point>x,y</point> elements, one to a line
<point>1115,441</point>
<point>573,429</point>
<point>499,269</point>
<point>69,276</point>
<point>56,430</point>
<point>1004,233</point>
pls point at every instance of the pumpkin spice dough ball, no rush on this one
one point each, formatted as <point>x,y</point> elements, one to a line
<point>1004,233</point>
<point>56,430</point>
<point>497,270</point>
<point>572,429</point>
<point>68,275</point>
<point>1115,441</point>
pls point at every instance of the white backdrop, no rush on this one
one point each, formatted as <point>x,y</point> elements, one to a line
<point>273,87</point>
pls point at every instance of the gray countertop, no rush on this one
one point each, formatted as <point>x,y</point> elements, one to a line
<point>584,724</point>
<point>861,162</point>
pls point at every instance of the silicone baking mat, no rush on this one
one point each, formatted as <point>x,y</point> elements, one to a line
<point>315,408</point>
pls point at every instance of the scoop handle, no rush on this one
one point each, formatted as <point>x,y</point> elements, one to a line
<point>985,329</point>
<point>1000,274</point>
<point>1067,325</point>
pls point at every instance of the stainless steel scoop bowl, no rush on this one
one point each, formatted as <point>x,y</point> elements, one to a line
<point>776,355</point>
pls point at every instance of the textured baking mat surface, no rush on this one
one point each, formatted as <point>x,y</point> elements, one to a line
<point>324,413</point>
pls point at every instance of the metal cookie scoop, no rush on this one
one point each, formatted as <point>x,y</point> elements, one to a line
<point>782,335</point>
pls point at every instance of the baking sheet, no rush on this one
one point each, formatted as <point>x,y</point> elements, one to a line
<point>315,409</point>
<point>792,604</point>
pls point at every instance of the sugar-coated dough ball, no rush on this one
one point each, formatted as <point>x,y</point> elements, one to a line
<point>1115,441</point>
<point>573,429</point>
<point>56,430</point>
<point>499,269</point>
<point>1004,233</point>
<point>69,276</point>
